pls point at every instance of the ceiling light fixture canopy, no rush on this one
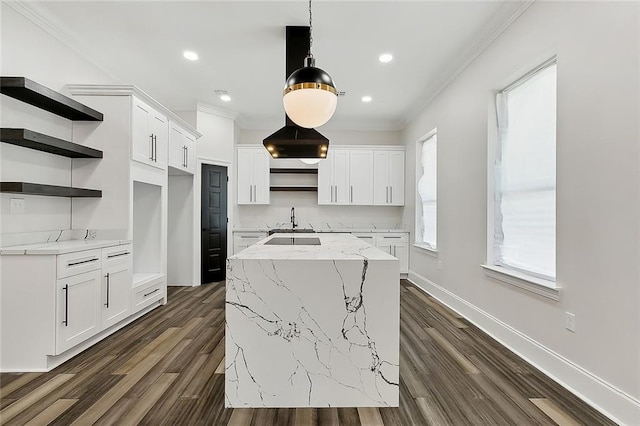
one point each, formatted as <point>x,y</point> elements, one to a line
<point>310,96</point>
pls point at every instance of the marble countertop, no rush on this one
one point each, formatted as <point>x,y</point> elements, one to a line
<point>332,247</point>
<point>60,247</point>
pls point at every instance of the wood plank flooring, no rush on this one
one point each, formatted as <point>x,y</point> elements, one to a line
<point>168,369</point>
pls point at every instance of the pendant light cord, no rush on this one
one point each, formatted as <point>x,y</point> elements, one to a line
<point>310,30</point>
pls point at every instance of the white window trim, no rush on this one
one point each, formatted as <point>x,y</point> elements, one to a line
<point>535,285</point>
<point>418,201</point>
<point>427,249</point>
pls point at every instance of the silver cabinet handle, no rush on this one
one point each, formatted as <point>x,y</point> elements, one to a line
<point>108,285</point>
<point>66,305</point>
<point>151,147</point>
<point>351,194</point>
<point>391,195</point>
<point>250,193</point>
<point>186,156</point>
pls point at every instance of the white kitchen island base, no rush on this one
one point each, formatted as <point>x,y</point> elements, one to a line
<point>312,326</point>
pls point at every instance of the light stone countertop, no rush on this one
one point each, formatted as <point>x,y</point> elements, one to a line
<point>61,247</point>
<point>332,247</point>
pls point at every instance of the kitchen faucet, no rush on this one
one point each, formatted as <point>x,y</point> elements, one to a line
<point>293,218</point>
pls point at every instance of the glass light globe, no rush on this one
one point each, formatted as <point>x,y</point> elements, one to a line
<point>310,108</point>
<point>310,160</point>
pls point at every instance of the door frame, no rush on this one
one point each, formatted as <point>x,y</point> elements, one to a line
<point>197,213</point>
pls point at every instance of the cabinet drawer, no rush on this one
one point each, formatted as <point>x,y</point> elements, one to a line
<point>393,238</point>
<point>146,294</point>
<point>116,255</point>
<point>76,263</point>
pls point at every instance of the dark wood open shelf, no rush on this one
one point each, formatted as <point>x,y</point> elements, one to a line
<point>47,190</point>
<point>295,171</point>
<point>41,142</point>
<point>35,94</point>
<point>294,188</point>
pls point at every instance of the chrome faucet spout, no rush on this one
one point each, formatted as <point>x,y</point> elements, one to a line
<point>293,218</point>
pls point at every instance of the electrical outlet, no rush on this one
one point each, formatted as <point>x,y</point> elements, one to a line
<point>570,321</point>
<point>439,265</point>
<point>17,205</point>
<point>91,234</point>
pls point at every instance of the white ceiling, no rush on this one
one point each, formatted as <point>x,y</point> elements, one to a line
<point>241,47</point>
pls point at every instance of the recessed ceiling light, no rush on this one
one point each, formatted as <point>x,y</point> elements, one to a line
<point>385,57</point>
<point>225,98</point>
<point>192,56</point>
<point>366,99</point>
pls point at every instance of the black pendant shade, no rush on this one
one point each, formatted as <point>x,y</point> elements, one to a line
<point>293,141</point>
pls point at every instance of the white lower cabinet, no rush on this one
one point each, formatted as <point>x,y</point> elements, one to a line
<point>242,240</point>
<point>117,274</point>
<point>79,309</point>
<point>397,245</point>
<point>52,304</point>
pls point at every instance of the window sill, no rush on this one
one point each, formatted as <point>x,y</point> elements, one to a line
<point>535,285</point>
<point>428,250</point>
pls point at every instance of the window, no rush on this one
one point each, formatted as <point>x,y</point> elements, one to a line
<point>426,206</point>
<point>524,213</point>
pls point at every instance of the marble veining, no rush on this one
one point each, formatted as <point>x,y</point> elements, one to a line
<point>312,332</point>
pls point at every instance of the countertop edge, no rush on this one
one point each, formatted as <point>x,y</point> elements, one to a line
<point>51,249</point>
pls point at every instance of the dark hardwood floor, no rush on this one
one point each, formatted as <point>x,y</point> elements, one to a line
<point>168,368</point>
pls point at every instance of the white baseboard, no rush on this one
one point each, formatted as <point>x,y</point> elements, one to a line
<point>619,406</point>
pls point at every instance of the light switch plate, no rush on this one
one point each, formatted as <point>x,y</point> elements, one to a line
<point>17,205</point>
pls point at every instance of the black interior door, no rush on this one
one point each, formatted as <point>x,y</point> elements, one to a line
<point>214,223</point>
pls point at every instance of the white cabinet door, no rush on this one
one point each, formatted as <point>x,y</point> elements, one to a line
<point>401,251</point>
<point>261,189</point>
<point>160,126</point>
<point>388,183</point>
<point>361,177</point>
<point>176,146</point>
<point>396,178</point>
<point>242,240</point>
<point>150,135</point>
<point>142,138</point>
<point>325,180</point>
<point>117,279</point>
<point>78,310</point>
<point>182,149</point>
<point>380,178</point>
<point>190,155</point>
<point>116,305</point>
<point>253,176</point>
<point>342,190</point>
<point>333,178</point>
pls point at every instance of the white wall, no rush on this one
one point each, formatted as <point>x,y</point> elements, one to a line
<point>28,51</point>
<point>308,212</point>
<point>598,197</point>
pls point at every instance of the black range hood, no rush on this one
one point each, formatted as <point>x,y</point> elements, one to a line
<point>293,141</point>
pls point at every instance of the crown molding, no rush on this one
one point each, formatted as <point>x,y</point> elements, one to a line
<point>220,112</point>
<point>465,60</point>
<point>129,90</point>
<point>38,15</point>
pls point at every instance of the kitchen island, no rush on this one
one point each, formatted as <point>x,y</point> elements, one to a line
<point>312,321</point>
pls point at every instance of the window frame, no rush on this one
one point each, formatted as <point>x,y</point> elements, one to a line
<point>433,250</point>
<point>517,277</point>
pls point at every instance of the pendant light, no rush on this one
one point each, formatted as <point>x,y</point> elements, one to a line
<point>310,97</point>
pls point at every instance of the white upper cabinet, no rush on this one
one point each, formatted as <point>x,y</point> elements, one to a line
<point>182,149</point>
<point>361,177</point>
<point>333,178</point>
<point>253,175</point>
<point>150,135</point>
<point>388,182</point>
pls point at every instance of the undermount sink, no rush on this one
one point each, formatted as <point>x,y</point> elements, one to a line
<point>290,230</point>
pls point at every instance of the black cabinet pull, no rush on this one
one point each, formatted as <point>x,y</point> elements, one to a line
<point>108,285</point>
<point>110,256</point>
<point>66,305</point>
<point>151,292</point>
<point>82,261</point>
